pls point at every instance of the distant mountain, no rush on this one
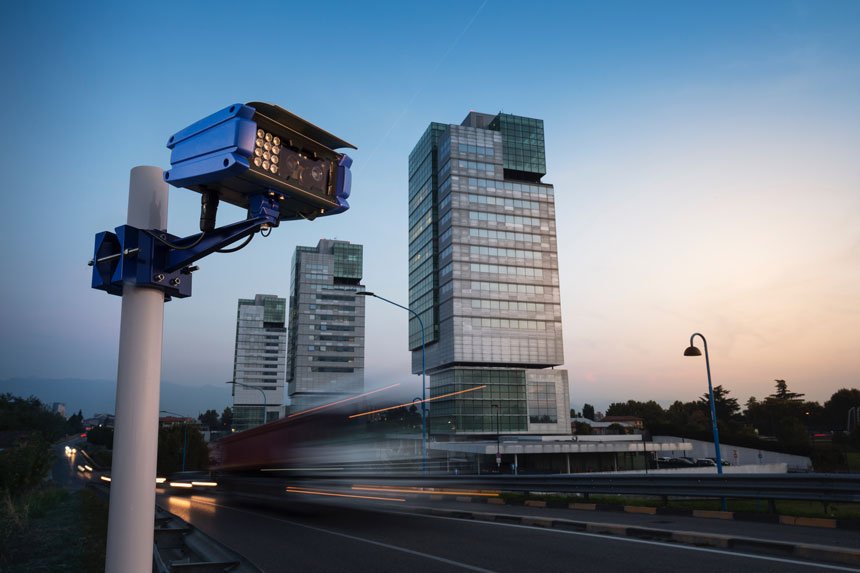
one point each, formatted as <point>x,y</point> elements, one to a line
<point>99,396</point>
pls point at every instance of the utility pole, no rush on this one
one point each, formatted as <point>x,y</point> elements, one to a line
<point>132,494</point>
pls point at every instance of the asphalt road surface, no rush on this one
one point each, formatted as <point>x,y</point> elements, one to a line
<point>303,533</point>
<point>64,470</point>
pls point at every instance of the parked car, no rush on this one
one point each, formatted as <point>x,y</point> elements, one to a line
<point>706,462</point>
<point>675,463</point>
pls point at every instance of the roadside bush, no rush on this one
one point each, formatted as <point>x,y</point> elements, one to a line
<point>23,467</point>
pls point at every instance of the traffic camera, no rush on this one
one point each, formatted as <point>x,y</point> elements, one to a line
<point>245,150</point>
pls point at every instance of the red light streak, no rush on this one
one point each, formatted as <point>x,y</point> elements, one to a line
<point>330,404</point>
<point>418,401</point>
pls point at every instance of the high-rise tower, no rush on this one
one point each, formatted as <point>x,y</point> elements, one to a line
<point>326,331</point>
<point>259,361</point>
<point>483,275</point>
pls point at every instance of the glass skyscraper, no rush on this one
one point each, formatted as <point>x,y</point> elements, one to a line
<point>326,328</point>
<point>483,275</point>
<point>259,362</point>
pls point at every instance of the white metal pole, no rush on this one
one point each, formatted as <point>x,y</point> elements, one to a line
<point>131,516</point>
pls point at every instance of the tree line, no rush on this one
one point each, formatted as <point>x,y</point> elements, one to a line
<point>782,421</point>
<point>211,420</point>
<point>28,427</point>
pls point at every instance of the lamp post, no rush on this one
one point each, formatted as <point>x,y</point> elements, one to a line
<point>423,376</point>
<point>498,409</point>
<point>260,390</point>
<point>184,434</point>
<point>693,351</point>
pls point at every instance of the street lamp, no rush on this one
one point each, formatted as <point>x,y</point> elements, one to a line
<point>184,434</point>
<point>258,389</point>
<point>693,351</point>
<point>423,376</point>
<point>498,409</point>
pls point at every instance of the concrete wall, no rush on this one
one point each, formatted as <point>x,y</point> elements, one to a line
<point>780,468</point>
<point>738,455</point>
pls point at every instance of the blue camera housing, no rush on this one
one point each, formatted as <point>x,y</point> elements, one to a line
<point>248,149</point>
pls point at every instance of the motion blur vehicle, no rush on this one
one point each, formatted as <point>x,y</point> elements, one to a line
<point>352,435</point>
<point>189,481</point>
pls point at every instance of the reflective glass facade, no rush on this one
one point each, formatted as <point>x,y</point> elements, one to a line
<point>475,411</point>
<point>523,145</point>
<point>259,362</point>
<point>423,236</point>
<point>326,326</point>
<point>484,276</point>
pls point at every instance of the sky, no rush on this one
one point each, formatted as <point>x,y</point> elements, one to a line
<point>704,158</point>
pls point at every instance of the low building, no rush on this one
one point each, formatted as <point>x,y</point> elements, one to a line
<point>171,421</point>
<point>106,420</point>
<point>551,454</point>
<point>627,425</point>
<point>626,421</point>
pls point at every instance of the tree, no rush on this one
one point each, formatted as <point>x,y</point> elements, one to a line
<point>725,407</point>
<point>171,442</point>
<point>782,393</point>
<point>227,418</point>
<point>836,408</point>
<point>581,429</point>
<point>651,412</point>
<point>616,429</point>
<point>793,435</point>
<point>75,423</point>
<point>588,411</point>
<point>209,418</point>
<point>30,415</point>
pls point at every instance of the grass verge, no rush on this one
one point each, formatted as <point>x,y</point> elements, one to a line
<point>53,530</point>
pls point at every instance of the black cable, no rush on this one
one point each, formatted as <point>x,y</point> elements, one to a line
<point>234,249</point>
<point>171,245</point>
<point>263,232</point>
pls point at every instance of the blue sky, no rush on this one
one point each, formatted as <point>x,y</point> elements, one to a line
<point>705,159</point>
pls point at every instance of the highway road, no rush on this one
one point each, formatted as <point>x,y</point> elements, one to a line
<point>304,533</point>
<point>64,471</point>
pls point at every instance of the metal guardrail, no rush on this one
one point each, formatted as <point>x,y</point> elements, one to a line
<point>820,487</point>
<point>180,547</point>
<point>808,487</point>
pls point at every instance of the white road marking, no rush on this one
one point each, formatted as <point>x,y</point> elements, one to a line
<point>642,541</point>
<point>354,538</point>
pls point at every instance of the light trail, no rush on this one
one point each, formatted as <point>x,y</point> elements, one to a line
<point>330,404</point>
<point>299,469</point>
<point>421,490</point>
<point>418,401</point>
<point>332,494</point>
